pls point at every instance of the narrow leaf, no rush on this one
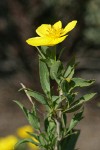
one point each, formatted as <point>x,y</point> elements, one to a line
<point>48,52</point>
<point>69,70</point>
<point>78,103</point>
<point>25,141</point>
<point>39,97</point>
<point>81,82</point>
<point>77,117</point>
<point>25,110</point>
<point>88,97</point>
<point>70,141</point>
<point>33,135</point>
<point>44,77</point>
<point>33,120</point>
<point>56,70</point>
<point>42,140</point>
<point>51,53</point>
<point>61,51</point>
<point>44,49</point>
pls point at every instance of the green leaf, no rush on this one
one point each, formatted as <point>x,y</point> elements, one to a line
<point>56,70</point>
<point>49,125</point>
<point>69,70</point>
<point>31,116</point>
<point>25,141</point>
<point>39,97</point>
<point>87,97</point>
<point>46,124</point>
<point>33,120</point>
<point>69,142</point>
<point>65,87</point>
<point>42,140</point>
<point>78,103</point>
<point>61,51</point>
<point>25,110</point>
<point>45,137</point>
<point>21,147</point>
<point>69,97</point>
<point>44,77</point>
<point>50,53</point>
<point>64,121</point>
<point>44,49</point>
<point>33,135</point>
<point>81,82</point>
<point>75,107</point>
<point>54,98</point>
<point>77,117</point>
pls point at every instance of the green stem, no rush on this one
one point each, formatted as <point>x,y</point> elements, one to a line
<point>58,124</point>
<point>30,99</point>
<point>40,52</point>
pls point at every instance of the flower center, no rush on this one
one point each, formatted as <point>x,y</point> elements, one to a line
<point>54,33</point>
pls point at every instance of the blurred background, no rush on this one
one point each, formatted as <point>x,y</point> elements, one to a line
<point>18,61</point>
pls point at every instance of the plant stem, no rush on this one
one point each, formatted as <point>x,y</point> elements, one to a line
<point>40,52</point>
<point>23,86</point>
<point>58,124</point>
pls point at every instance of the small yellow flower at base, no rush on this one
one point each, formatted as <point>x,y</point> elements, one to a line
<point>50,35</point>
<point>8,142</point>
<point>22,131</point>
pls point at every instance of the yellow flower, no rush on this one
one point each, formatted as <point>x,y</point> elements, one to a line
<point>50,35</point>
<point>22,131</point>
<point>8,142</point>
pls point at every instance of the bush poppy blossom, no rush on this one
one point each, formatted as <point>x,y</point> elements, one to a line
<point>50,35</point>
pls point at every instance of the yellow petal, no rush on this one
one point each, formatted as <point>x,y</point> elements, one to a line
<point>57,40</point>
<point>69,27</point>
<point>38,41</point>
<point>44,41</point>
<point>58,25</point>
<point>43,30</point>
